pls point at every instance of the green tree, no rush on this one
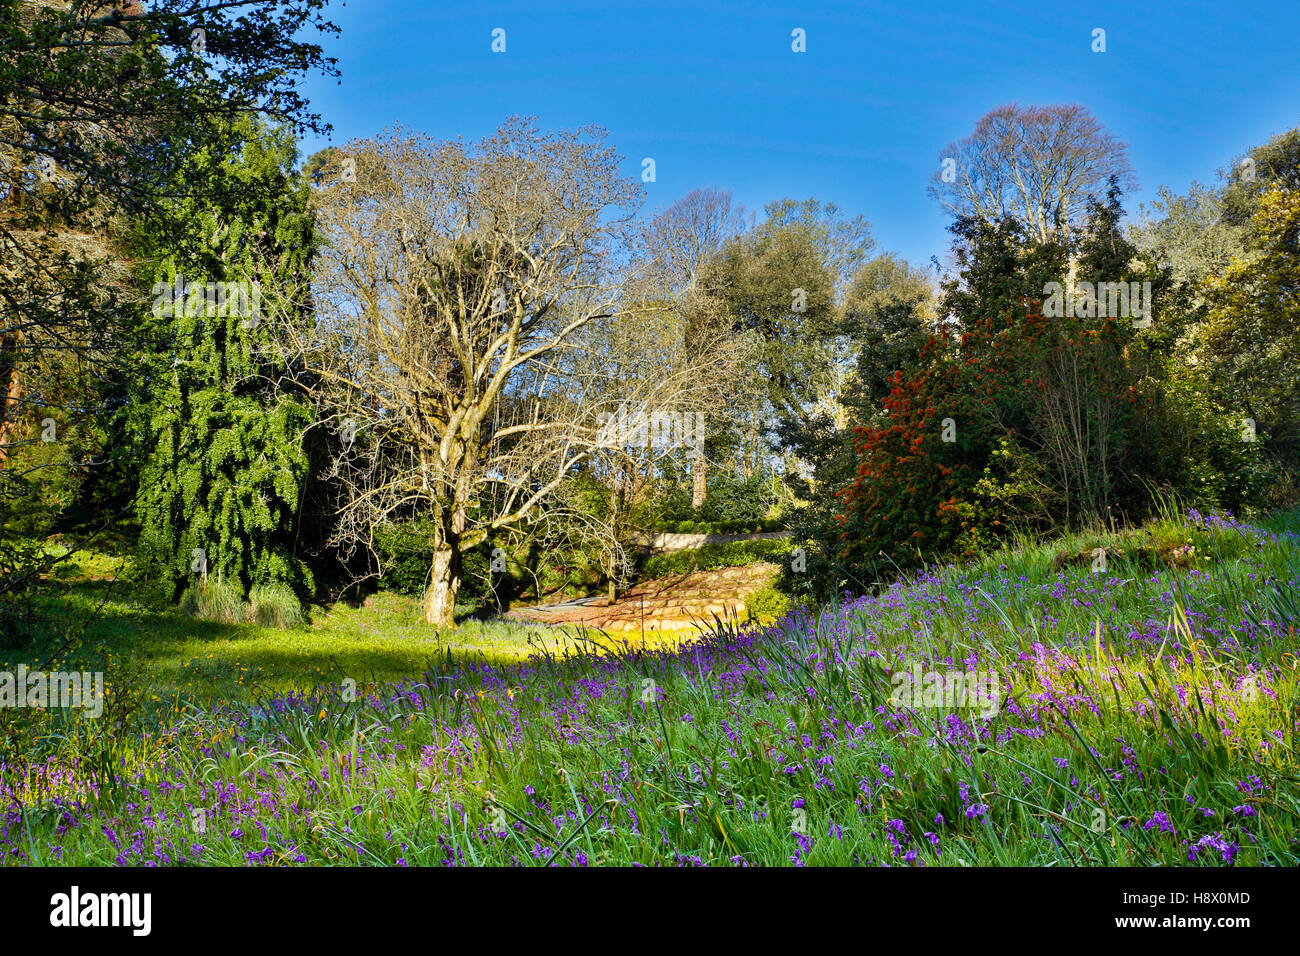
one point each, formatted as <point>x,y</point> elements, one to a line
<point>1250,343</point>
<point>1268,166</point>
<point>1224,333</point>
<point>782,283</point>
<point>889,312</point>
<point>887,317</point>
<point>223,427</point>
<point>100,104</point>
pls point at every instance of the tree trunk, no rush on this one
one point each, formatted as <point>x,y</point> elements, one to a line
<point>13,395</point>
<point>699,479</point>
<point>445,575</point>
<point>444,583</point>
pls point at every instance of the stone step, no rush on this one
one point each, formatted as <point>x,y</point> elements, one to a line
<point>682,602</point>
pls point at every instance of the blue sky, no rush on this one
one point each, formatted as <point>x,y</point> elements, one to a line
<point>716,96</point>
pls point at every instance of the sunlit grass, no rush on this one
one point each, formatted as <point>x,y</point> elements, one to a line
<point>1148,716</point>
<point>384,640</point>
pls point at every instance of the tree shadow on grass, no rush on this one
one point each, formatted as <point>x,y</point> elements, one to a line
<point>175,652</point>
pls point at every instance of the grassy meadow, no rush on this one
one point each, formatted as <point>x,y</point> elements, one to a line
<point>1146,714</point>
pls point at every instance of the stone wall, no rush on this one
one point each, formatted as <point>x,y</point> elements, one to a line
<point>665,542</point>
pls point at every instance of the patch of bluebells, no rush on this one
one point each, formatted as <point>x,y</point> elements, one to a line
<point>276,799</point>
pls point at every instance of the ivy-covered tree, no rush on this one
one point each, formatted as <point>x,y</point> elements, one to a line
<point>222,426</point>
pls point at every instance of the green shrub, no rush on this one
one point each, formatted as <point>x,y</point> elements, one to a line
<point>405,555</point>
<point>767,605</point>
<point>709,557</point>
<point>213,601</point>
<point>735,498</point>
<point>1202,454</point>
<point>41,481</point>
<point>275,605</point>
<point>746,526</point>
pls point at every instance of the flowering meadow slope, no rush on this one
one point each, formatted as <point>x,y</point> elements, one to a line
<point>1145,714</point>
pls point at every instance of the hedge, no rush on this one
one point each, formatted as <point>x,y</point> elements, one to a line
<point>710,557</point>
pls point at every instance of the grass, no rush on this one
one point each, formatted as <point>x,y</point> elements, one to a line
<point>220,655</point>
<point>1147,715</point>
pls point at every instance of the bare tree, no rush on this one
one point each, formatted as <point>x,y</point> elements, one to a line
<point>463,297</point>
<point>683,237</point>
<point>1038,164</point>
<point>667,374</point>
<point>679,242</point>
